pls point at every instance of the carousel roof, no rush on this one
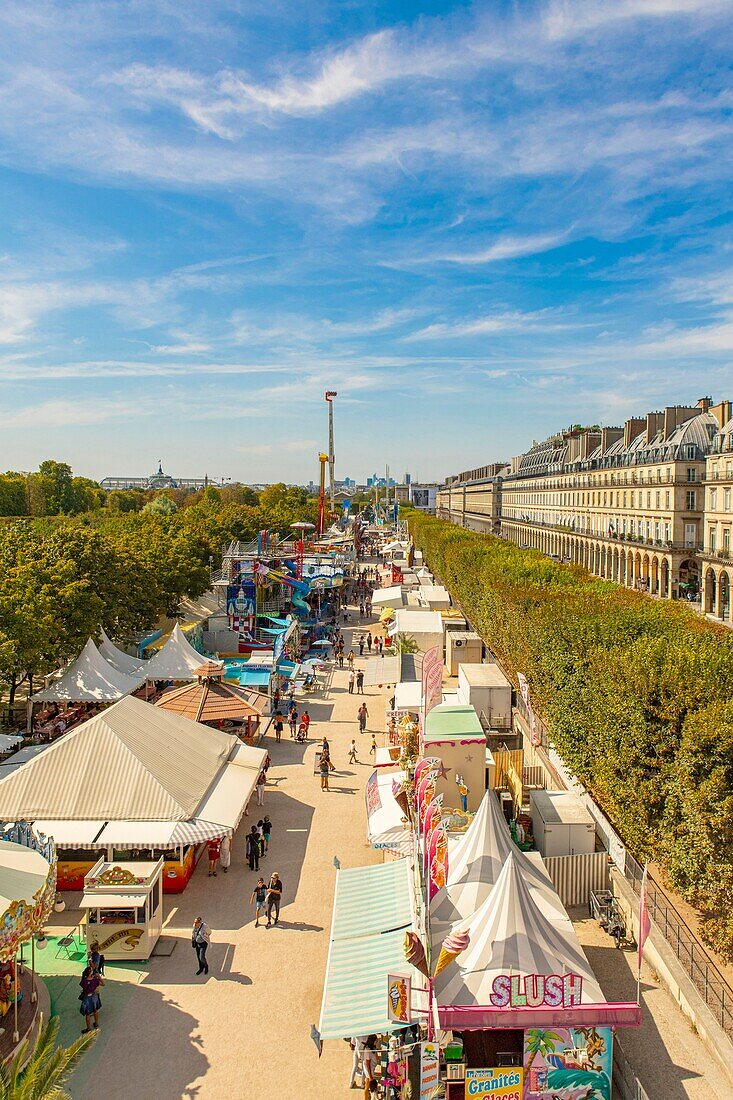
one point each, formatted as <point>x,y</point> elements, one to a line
<point>23,872</point>
<point>212,700</point>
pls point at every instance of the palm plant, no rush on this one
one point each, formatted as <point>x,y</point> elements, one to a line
<point>42,1074</point>
<point>540,1042</point>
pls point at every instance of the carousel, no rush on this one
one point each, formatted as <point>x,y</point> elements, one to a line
<point>27,896</point>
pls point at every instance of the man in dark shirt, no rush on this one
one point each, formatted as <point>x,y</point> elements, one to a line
<point>274,895</point>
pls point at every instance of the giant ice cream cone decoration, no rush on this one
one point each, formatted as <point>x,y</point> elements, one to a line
<point>415,953</point>
<point>450,948</point>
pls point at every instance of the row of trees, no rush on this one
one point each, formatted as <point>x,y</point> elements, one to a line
<point>636,693</point>
<point>61,577</point>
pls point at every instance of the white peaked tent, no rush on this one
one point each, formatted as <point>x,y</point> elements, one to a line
<point>510,935</point>
<point>177,660</point>
<point>475,862</point>
<point>89,679</point>
<point>120,660</point>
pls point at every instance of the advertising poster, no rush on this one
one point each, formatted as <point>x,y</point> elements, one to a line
<point>399,995</point>
<point>502,1083</point>
<point>568,1063</point>
<point>429,1069</point>
<point>371,794</point>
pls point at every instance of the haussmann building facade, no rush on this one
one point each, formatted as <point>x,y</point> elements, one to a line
<point>647,505</point>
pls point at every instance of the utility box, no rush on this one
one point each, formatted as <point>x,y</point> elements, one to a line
<point>487,690</point>
<point>460,647</point>
<point>561,824</point>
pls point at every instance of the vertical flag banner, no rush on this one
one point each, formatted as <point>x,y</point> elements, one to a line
<point>427,794</point>
<point>432,679</point>
<point>422,766</point>
<point>438,860</point>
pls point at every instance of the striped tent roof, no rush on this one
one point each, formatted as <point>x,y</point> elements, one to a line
<point>372,910</point>
<point>510,935</point>
<point>475,861</point>
<point>132,762</point>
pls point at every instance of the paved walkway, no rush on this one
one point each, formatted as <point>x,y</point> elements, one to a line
<point>243,1032</point>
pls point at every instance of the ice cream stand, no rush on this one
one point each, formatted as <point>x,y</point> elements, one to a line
<point>124,904</point>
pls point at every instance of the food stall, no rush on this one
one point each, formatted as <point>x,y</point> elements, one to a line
<point>124,904</point>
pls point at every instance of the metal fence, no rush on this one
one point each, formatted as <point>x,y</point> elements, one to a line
<point>688,948</point>
<point>575,876</point>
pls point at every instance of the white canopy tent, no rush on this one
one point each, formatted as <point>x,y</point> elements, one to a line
<point>387,830</point>
<point>475,861</point>
<point>134,770</point>
<point>510,935</point>
<point>120,660</point>
<point>177,660</point>
<point>89,679</point>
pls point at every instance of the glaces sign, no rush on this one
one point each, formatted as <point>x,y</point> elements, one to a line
<point>534,990</point>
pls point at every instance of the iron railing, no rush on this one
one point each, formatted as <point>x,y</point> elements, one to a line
<point>688,948</point>
<point>626,1084</point>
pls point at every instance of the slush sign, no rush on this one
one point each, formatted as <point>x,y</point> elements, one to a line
<point>500,1084</point>
<point>534,990</point>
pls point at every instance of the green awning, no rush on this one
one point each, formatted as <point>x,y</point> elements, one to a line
<point>445,722</point>
<point>372,910</point>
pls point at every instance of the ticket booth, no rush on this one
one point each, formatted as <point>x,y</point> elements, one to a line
<point>124,904</point>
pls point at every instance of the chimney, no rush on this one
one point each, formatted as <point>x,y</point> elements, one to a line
<point>609,436</point>
<point>654,421</point>
<point>632,428</point>
<point>704,404</point>
<point>674,415</point>
<point>722,412</point>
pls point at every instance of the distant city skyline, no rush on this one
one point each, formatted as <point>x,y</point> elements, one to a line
<point>467,220</point>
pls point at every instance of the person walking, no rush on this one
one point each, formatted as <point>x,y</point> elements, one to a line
<point>369,641</point>
<point>305,720</point>
<point>253,848</point>
<point>369,1063</point>
<point>341,657</point>
<point>225,853</point>
<point>266,831</point>
<point>278,726</point>
<point>352,752</point>
<point>357,1046</point>
<point>350,659</point>
<point>361,646</point>
<point>324,769</point>
<point>276,701</point>
<point>373,746</point>
<point>257,898</point>
<point>293,720</point>
<point>213,850</point>
<point>261,781</point>
<point>361,717</point>
<point>274,897</point>
<point>200,940</point>
<point>351,682</point>
<point>90,1005</point>
<point>360,682</point>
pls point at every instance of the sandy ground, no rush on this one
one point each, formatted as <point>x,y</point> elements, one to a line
<point>244,1030</point>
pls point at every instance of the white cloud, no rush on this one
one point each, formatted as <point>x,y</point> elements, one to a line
<point>506,248</point>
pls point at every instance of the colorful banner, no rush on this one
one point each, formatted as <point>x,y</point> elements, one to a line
<point>503,1083</point>
<point>371,794</point>
<point>437,860</point>
<point>433,814</point>
<point>399,998</point>
<point>563,1063</point>
<point>425,795</point>
<point>422,766</point>
<point>432,679</point>
<point>429,1070</point>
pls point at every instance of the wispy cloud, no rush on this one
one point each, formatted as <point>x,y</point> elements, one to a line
<point>506,248</point>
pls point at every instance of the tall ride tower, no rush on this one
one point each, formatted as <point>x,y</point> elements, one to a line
<point>330,394</point>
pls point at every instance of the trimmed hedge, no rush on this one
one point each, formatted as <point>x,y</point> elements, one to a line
<point>635,691</point>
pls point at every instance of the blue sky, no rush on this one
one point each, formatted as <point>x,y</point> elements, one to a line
<point>477,222</point>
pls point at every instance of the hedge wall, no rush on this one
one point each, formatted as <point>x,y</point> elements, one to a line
<point>635,691</point>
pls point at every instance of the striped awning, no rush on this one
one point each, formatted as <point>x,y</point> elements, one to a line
<point>372,910</point>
